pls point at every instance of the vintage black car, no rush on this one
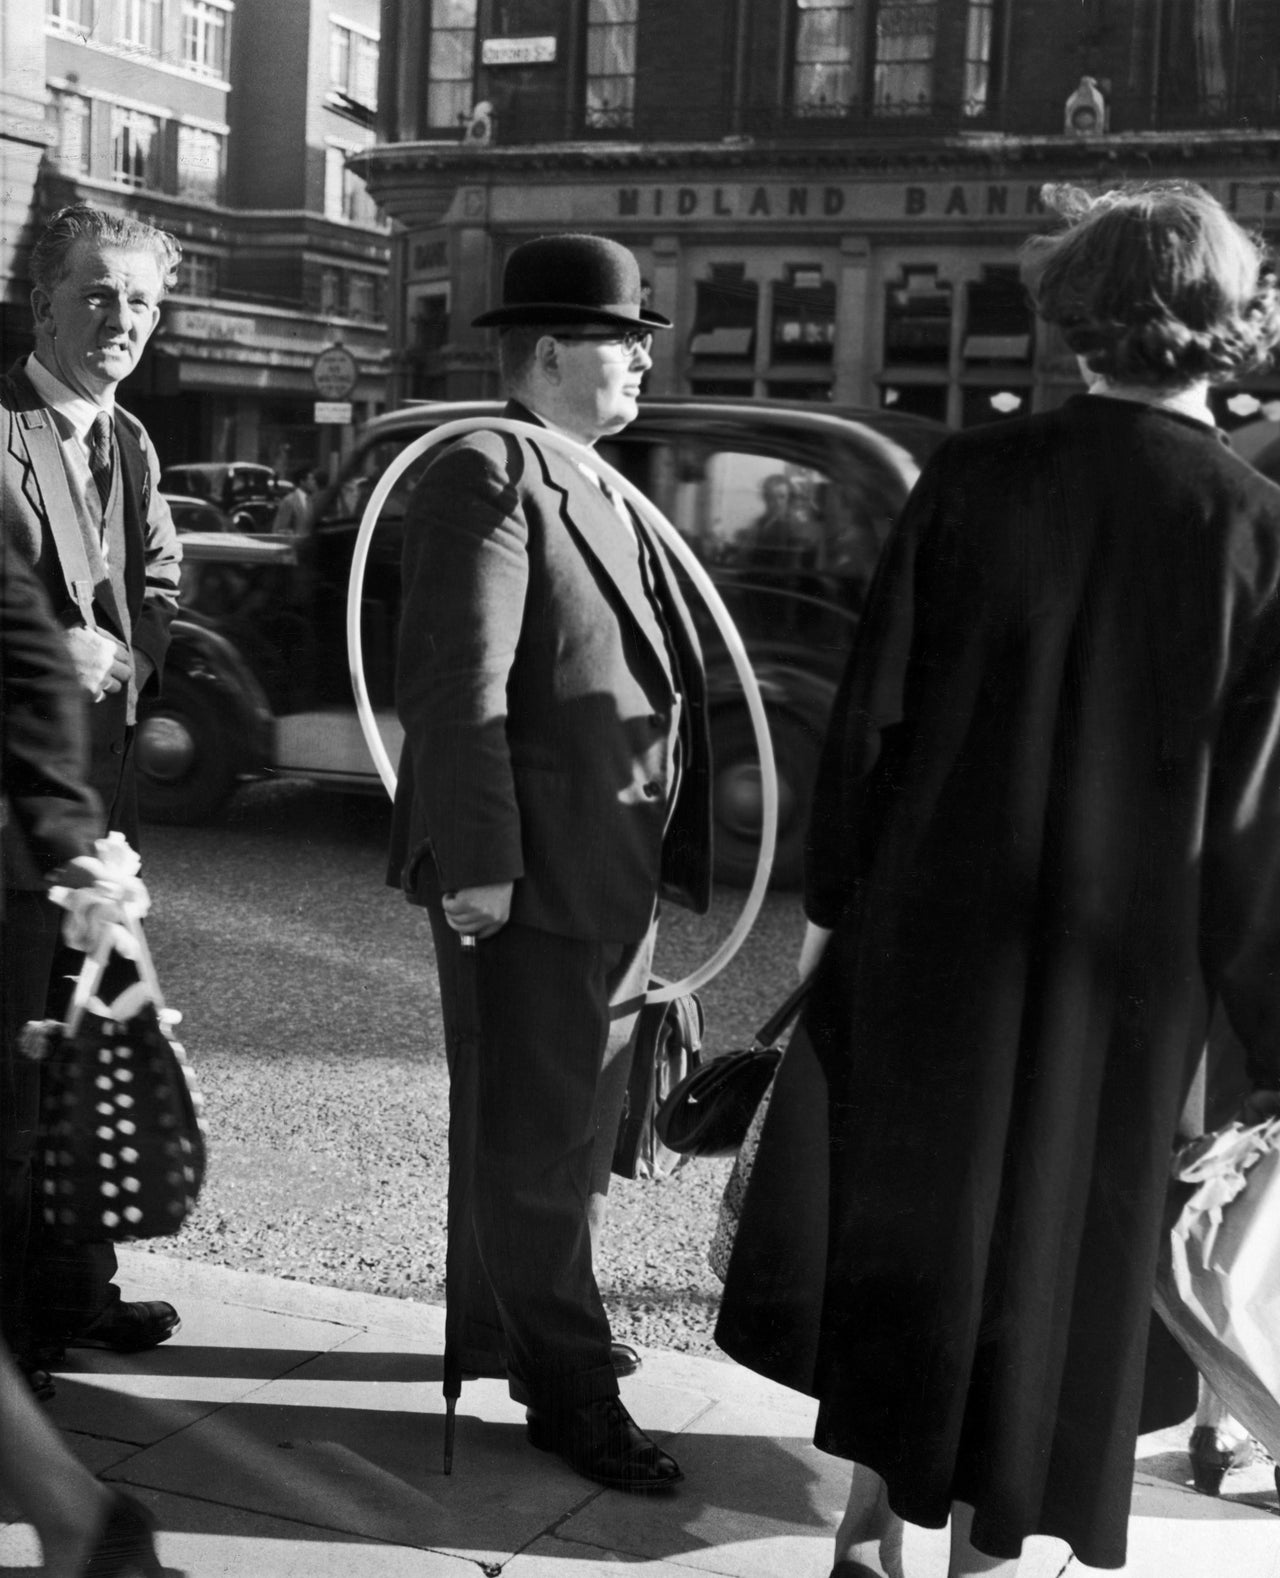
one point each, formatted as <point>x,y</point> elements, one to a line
<point>787,505</point>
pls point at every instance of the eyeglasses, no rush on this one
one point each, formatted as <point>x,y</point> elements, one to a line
<point>631,340</point>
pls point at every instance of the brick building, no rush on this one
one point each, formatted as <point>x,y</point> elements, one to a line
<point>827,196</point>
<point>228,124</point>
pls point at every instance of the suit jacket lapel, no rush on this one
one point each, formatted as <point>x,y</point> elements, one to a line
<point>591,520</point>
<point>33,440</point>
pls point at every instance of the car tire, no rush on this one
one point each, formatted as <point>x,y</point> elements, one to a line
<point>183,756</point>
<point>736,793</point>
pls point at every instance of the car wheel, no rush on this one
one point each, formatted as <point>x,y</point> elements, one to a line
<point>736,795</point>
<point>183,756</point>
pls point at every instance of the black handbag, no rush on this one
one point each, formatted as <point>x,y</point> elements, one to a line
<point>121,1148</point>
<point>667,1047</point>
<point>708,1113</point>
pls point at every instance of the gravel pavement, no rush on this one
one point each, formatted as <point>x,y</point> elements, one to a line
<point>311,1011</point>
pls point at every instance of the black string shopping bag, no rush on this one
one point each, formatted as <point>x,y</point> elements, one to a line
<point>121,1149</point>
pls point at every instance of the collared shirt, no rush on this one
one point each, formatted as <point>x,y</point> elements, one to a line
<point>73,416</point>
<point>1192,402</point>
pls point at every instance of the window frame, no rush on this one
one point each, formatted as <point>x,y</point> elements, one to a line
<point>900,66</point>
<point>137,17</point>
<point>125,121</point>
<point>62,99</point>
<point>84,22</point>
<point>187,131</point>
<point>357,48</point>
<point>604,36</point>
<point>202,22</point>
<point>856,59</point>
<point>451,86</point>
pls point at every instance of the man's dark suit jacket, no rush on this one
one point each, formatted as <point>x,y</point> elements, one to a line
<point>47,815</point>
<point>537,711</point>
<point>31,480</point>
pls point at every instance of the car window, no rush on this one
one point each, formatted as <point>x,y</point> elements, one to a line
<point>346,498</point>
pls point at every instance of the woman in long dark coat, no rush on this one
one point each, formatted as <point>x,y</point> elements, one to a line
<point>1045,838</point>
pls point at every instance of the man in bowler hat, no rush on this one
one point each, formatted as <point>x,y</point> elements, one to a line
<point>555,780</point>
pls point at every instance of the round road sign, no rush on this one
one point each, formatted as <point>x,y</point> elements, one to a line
<point>334,373</point>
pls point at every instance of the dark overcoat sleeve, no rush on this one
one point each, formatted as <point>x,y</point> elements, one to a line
<point>465,578</point>
<point>1240,926</point>
<point>49,815</point>
<point>853,774</point>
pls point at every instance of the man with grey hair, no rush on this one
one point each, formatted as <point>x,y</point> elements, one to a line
<point>80,500</point>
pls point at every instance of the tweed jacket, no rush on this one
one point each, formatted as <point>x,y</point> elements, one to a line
<point>32,482</point>
<point>538,714</point>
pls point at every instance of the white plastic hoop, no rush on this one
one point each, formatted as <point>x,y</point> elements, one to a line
<point>671,538</point>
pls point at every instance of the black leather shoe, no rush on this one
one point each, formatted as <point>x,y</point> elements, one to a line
<point>129,1328</point>
<point>1212,1456</point>
<point>626,1361</point>
<point>601,1441</point>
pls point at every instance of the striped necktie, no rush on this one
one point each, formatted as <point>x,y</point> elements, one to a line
<point>100,457</point>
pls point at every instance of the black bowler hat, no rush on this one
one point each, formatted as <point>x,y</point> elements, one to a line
<point>571,279</point>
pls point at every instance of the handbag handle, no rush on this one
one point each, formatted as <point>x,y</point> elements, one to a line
<point>770,1032</point>
<point>95,965</point>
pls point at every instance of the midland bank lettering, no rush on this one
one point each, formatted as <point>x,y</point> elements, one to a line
<point>827,202</point>
<point>888,202</point>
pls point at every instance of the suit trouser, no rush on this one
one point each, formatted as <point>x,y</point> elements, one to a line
<point>535,1012</point>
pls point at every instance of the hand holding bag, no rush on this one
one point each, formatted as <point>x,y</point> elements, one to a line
<point>709,1112</point>
<point>121,1153</point>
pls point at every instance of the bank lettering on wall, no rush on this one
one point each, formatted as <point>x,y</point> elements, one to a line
<point>890,203</point>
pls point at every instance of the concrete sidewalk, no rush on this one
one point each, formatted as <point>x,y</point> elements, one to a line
<point>290,1431</point>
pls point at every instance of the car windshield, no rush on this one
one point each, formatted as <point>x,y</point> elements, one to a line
<point>345,500</point>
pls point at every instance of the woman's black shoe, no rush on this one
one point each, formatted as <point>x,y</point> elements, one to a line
<point>602,1442</point>
<point>1213,1455</point>
<point>126,1545</point>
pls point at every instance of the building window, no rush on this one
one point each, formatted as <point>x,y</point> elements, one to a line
<point>345,195</point>
<point>72,16</point>
<point>997,329</point>
<point>906,41</point>
<point>331,292</point>
<point>917,320</point>
<point>135,148</point>
<point>204,38</point>
<point>611,63</point>
<point>1197,55</point>
<point>979,50</point>
<point>199,164</point>
<point>198,274</point>
<point>724,325</point>
<point>72,127</point>
<point>977,369</point>
<point>828,56</point>
<point>139,25</point>
<point>804,316</point>
<point>362,296</point>
<point>353,64</point>
<point>451,65</point>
